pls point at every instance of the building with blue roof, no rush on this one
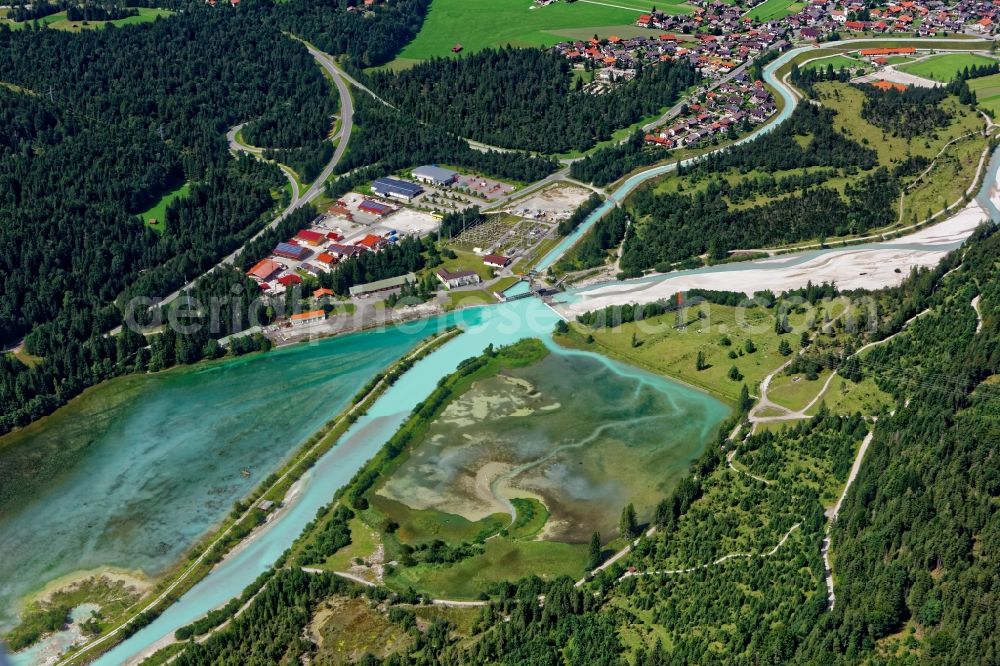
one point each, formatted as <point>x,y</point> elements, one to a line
<point>396,189</point>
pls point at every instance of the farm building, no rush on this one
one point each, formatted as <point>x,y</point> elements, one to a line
<point>457,279</point>
<point>374,207</point>
<point>264,269</point>
<point>307,317</point>
<point>394,188</point>
<point>496,260</point>
<point>434,175</point>
<point>382,285</point>
<point>291,251</point>
<point>289,280</point>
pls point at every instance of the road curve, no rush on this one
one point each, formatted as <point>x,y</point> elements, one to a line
<point>342,136</point>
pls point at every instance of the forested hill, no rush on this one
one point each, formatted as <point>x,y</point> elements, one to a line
<point>915,549</point>
<point>523,98</point>
<point>101,125</point>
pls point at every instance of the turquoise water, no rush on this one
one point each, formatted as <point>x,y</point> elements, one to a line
<point>161,467</point>
<point>638,179</point>
<point>517,289</point>
<point>499,325</point>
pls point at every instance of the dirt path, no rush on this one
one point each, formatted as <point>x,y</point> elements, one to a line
<point>724,558</point>
<point>832,512</point>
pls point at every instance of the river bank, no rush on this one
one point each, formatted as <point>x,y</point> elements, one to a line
<point>492,325</point>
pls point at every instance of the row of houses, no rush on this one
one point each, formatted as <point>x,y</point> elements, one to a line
<point>616,59</point>
<point>820,18</point>
<point>734,104</point>
<point>310,252</point>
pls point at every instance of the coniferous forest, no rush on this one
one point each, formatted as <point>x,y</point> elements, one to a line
<point>82,155</point>
<point>914,548</point>
<point>523,98</point>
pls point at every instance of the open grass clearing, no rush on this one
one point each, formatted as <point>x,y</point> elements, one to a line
<point>502,560</point>
<point>987,91</point>
<point>843,396</point>
<point>158,212</point>
<point>795,391</point>
<point>661,346</point>
<point>944,67</point>
<point>775,9</point>
<point>480,24</point>
<point>838,62</point>
<point>58,20</point>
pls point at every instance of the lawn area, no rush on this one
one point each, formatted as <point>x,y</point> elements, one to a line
<point>479,24</point>
<point>503,560</point>
<point>772,9</point>
<point>159,211</point>
<point>59,22</point>
<point>464,299</point>
<point>467,261</point>
<point>364,541</point>
<point>425,525</point>
<point>845,397</point>
<point>838,62</point>
<point>661,347</point>
<point>987,91</point>
<point>795,391</point>
<point>944,67</point>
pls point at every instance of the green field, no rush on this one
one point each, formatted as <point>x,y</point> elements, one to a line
<point>771,9</point>
<point>503,560</point>
<point>159,211</point>
<point>838,62</point>
<point>520,23</point>
<point>944,67</point>
<point>987,91</point>
<point>59,22</point>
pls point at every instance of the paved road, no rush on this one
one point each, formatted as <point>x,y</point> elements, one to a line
<point>236,146</point>
<point>342,136</point>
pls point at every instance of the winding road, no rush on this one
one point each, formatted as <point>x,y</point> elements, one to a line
<point>341,81</point>
<point>299,199</point>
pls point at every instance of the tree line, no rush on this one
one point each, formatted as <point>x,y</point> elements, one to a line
<point>522,98</point>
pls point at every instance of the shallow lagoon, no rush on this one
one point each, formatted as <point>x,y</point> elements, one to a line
<point>582,435</point>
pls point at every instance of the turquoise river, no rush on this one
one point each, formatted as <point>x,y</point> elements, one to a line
<point>155,469</point>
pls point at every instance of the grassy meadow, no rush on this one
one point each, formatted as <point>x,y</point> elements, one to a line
<point>944,67</point>
<point>521,23</point>
<point>58,20</point>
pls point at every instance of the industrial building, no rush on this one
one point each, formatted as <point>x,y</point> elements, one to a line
<point>451,280</point>
<point>291,251</point>
<point>307,317</point>
<point>382,285</point>
<point>434,175</point>
<point>264,269</point>
<point>396,189</point>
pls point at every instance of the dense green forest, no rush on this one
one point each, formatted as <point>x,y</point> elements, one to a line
<point>523,98</point>
<point>914,549</point>
<point>81,155</point>
<point>368,37</point>
<point>386,139</point>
